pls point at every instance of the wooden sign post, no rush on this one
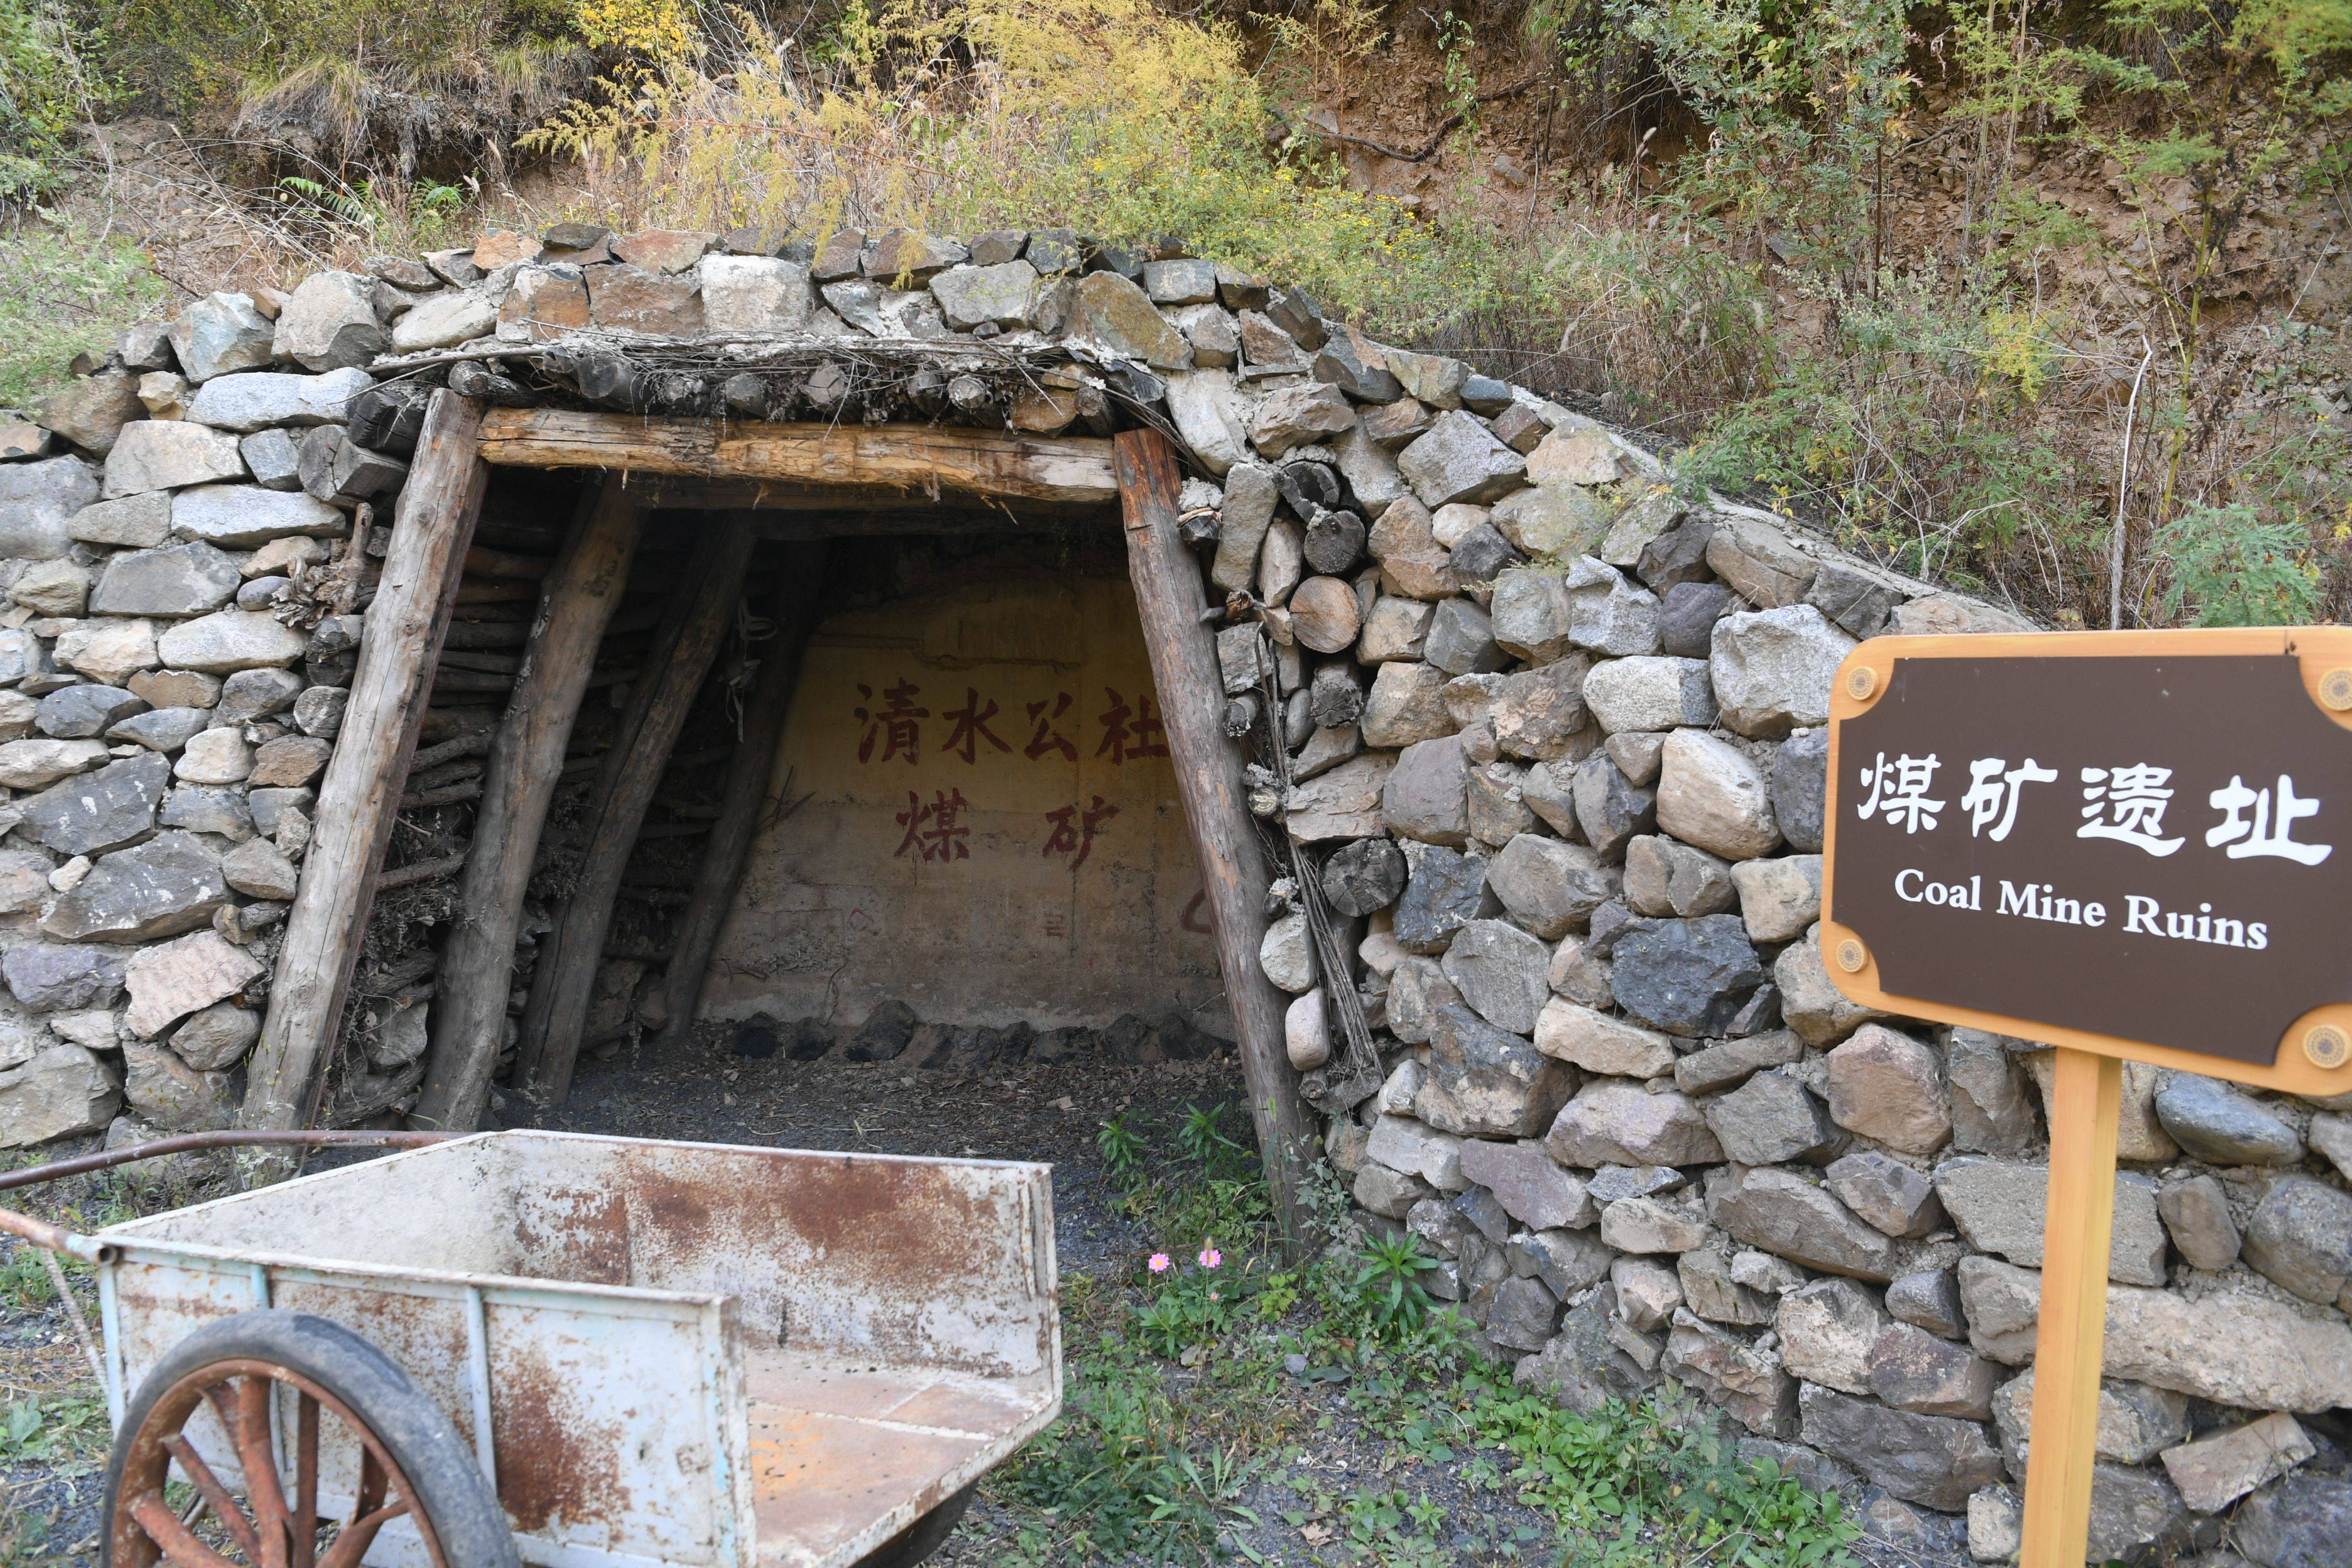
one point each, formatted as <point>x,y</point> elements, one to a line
<point>2133,846</point>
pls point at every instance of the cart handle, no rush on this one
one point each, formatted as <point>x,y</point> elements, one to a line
<point>90,1249</point>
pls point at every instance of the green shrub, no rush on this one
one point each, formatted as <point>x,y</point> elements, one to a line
<point>2232,568</point>
<point>69,290</point>
<point>42,98</point>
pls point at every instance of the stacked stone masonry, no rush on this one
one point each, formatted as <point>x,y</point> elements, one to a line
<point>1551,745</point>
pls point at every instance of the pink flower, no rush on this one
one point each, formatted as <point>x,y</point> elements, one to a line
<point>1211,1257</point>
<point>1159,1263</point>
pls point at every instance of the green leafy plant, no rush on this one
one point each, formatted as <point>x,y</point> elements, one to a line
<point>1122,1148</point>
<point>1389,1283</point>
<point>2232,568</point>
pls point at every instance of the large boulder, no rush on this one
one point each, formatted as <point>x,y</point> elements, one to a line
<point>62,1092</point>
<point>1772,668</point>
<point>251,402</point>
<point>96,812</point>
<point>330,322</point>
<point>1486,1082</point>
<point>1548,886</point>
<point>1616,1121</point>
<point>1649,692</point>
<point>181,580</point>
<point>1499,971</point>
<point>1890,1087</point>
<point>1458,459</point>
<point>1688,977</point>
<point>1934,1460</point>
<point>1710,794</point>
<point>1786,1215</point>
<point>1599,1043</point>
<point>1424,797</point>
<point>38,502</point>
<point>168,885</point>
<point>2301,1238</point>
<point>1769,1120</point>
<point>1999,1206</point>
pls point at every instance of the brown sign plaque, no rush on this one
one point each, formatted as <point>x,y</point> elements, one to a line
<point>2135,844</point>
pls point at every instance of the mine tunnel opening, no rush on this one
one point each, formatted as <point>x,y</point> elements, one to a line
<point>965,849</point>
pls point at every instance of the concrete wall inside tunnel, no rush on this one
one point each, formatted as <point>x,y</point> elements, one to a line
<point>987,824</point>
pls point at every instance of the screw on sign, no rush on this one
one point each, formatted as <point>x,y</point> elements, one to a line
<point>2132,847</point>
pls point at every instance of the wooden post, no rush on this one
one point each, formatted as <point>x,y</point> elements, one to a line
<point>2084,1104</point>
<point>360,795</point>
<point>721,872</point>
<point>470,1006</point>
<point>696,623</point>
<point>1170,602</point>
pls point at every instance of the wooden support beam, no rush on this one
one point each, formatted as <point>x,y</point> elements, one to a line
<point>699,619</point>
<point>2085,1110</point>
<point>795,611</point>
<point>360,794</point>
<point>1169,601</point>
<point>526,761</point>
<point>914,460</point>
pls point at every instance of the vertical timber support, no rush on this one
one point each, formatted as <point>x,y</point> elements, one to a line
<point>1170,603</point>
<point>721,872</point>
<point>360,796</point>
<point>2085,1102</point>
<point>526,759</point>
<point>693,627</point>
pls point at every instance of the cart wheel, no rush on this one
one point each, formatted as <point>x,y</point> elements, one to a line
<point>410,1460</point>
<point>923,1537</point>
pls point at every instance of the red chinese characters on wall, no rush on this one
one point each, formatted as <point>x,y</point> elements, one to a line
<point>938,829</point>
<point>935,831</point>
<point>892,723</point>
<point>1073,830</point>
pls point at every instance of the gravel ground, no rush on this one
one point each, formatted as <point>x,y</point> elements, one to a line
<point>49,1504</point>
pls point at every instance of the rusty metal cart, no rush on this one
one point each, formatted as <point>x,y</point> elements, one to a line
<point>572,1350</point>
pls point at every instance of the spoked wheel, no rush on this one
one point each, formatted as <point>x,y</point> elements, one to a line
<point>317,1442</point>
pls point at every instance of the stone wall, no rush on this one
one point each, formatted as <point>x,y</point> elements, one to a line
<point>1543,732</point>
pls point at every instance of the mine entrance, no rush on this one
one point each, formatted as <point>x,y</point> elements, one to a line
<point>798,730</point>
<point>965,841</point>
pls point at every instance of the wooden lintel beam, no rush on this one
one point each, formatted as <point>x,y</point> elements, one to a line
<point>916,460</point>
